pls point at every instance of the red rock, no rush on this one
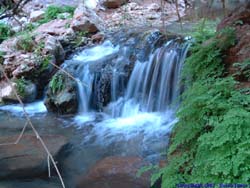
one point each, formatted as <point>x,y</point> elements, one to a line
<point>55,27</point>
<point>116,172</point>
<point>113,3</point>
<point>85,19</point>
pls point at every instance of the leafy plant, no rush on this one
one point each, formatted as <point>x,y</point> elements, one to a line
<point>20,86</point>
<point>5,32</point>
<point>80,38</point>
<point>30,27</point>
<point>243,68</point>
<point>53,11</point>
<point>210,141</point>
<point>1,57</point>
<point>25,42</point>
<point>56,84</point>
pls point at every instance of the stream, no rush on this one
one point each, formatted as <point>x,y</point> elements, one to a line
<point>134,120</point>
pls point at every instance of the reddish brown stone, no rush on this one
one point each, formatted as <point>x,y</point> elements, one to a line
<point>116,172</point>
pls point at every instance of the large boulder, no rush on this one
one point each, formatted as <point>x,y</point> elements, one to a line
<point>116,172</point>
<point>59,28</point>
<point>113,3</point>
<point>31,57</point>
<point>18,64</point>
<point>26,90</point>
<point>28,158</point>
<point>53,47</point>
<point>61,96</point>
<point>36,15</point>
<point>85,20</point>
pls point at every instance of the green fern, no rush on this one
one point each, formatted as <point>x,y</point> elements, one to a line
<point>52,12</point>
<point>57,83</point>
<point>211,139</point>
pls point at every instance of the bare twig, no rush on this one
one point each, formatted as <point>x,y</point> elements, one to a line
<point>18,139</point>
<point>162,14</point>
<point>178,13</point>
<point>33,128</point>
<point>10,11</point>
<point>48,160</point>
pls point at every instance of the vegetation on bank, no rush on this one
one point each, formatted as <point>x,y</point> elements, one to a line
<point>20,86</point>
<point>51,13</point>
<point>210,143</point>
<point>54,12</point>
<point>5,32</point>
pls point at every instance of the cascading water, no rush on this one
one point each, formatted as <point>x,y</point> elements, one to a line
<point>128,91</point>
<point>153,85</point>
<point>136,97</point>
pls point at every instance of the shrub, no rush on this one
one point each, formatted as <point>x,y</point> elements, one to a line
<point>5,32</point>
<point>25,42</point>
<point>52,12</point>
<point>243,69</point>
<point>20,86</point>
<point>210,142</point>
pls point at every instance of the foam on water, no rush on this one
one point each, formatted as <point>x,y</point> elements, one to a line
<point>145,109</point>
<point>31,108</point>
<point>97,52</point>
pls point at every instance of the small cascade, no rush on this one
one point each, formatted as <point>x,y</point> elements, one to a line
<point>133,87</point>
<point>84,86</point>
<point>128,90</point>
<point>153,85</point>
<point>125,81</point>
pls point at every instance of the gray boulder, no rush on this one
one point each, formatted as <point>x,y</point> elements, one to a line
<point>61,96</point>
<point>28,158</point>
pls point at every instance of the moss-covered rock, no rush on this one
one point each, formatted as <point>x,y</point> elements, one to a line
<point>61,96</point>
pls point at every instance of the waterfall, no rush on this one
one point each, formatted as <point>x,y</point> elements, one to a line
<point>152,86</point>
<point>128,93</point>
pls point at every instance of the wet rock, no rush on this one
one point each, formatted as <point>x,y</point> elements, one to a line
<point>28,158</point>
<point>113,3</point>
<point>36,15</point>
<point>85,19</point>
<point>29,184</point>
<point>26,90</point>
<point>116,172</point>
<point>61,96</point>
<point>97,38</point>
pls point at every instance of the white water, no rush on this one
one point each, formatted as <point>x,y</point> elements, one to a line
<point>31,108</point>
<point>148,105</point>
<point>96,52</point>
<point>142,115</point>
